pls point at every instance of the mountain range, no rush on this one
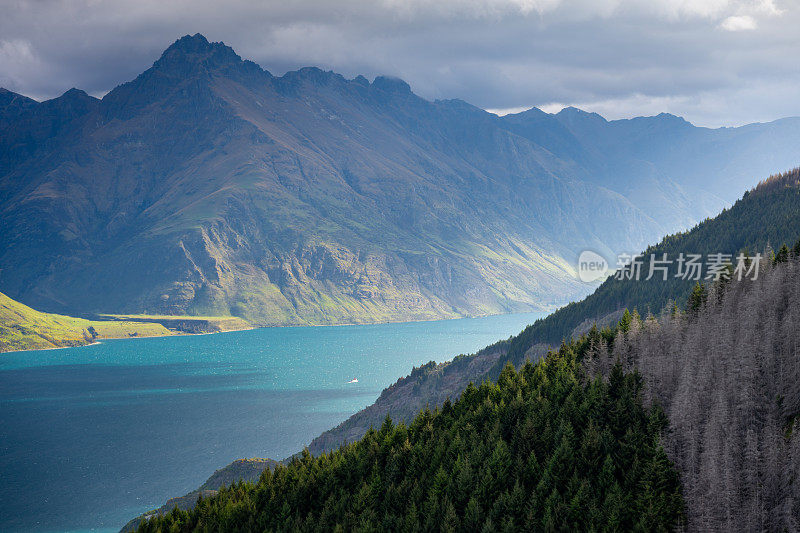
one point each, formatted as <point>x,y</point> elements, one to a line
<point>209,186</point>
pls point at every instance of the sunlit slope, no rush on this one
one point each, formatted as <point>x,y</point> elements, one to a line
<point>24,328</point>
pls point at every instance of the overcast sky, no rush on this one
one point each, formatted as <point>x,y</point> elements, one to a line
<point>715,62</point>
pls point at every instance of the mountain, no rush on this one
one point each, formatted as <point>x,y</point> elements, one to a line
<point>768,214</point>
<point>23,328</point>
<point>208,186</point>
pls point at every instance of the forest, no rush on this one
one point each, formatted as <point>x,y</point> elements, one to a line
<point>727,374</point>
<point>545,448</point>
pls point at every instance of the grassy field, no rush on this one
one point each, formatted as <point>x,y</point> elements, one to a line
<point>24,328</point>
<point>188,324</point>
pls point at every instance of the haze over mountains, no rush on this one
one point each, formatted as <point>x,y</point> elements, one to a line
<point>208,186</point>
<point>770,213</point>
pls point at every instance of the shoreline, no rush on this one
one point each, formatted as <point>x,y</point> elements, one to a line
<point>485,315</point>
<point>52,348</point>
<point>348,324</point>
<point>172,334</point>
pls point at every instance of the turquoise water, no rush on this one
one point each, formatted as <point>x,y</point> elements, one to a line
<point>90,437</point>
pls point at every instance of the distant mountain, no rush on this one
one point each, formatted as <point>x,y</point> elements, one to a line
<point>767,215</point>
<point>208,186</point>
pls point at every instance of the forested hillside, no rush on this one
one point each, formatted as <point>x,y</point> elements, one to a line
<point>240,470</point>
<point>768,214</point>
<point>728,376</point>
<point>543,449</point>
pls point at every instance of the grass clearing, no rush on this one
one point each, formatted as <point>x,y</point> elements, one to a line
<point>24,328</point>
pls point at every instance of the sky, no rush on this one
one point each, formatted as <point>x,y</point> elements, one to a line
<point>714,62</point>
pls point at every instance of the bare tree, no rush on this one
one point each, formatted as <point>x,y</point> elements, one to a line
<point>728,377</point>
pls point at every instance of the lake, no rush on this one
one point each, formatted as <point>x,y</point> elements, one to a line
<point>93,436</point>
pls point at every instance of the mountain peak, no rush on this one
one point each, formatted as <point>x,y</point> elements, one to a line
<point>197,50</point>
<point>391,84</point>
<point>529,113</point>
<point>313,75</point>
<point>8,96</point>
<point>75,100</point>
<point>75,94</point>
<point>572,114</point>
<point>673,118</point>
<point>572,111</point>
<point>196,43</point>
<point>11,103</point>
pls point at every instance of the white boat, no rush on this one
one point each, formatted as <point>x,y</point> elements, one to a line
<point>354,380</point>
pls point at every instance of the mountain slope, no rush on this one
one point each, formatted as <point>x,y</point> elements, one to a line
<point>727,376</point>
<point>23,328</point>
<point>540,450</point>
<point>208,186</point>
<point>768,214</point>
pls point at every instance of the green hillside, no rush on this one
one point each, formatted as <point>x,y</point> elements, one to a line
<point>188,324</point>
<point>543,449</point>
<point>23,328</point>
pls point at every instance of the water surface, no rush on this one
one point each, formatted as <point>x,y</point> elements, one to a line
<point>92,436</point>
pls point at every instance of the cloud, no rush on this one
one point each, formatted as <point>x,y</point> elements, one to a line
<point>509,110</point>
<point>471,8</point>
<point>739,23</point>
<point>677,9</point>
<point>766,7</point>
<point>18,60</point>
<point>617,55</point>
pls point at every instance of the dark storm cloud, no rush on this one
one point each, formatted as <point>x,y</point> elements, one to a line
<point>713,61</point>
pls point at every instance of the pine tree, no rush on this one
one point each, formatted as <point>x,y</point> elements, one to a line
<point>782,256</point>
<point>696,298</point>
<point>625,322</point>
